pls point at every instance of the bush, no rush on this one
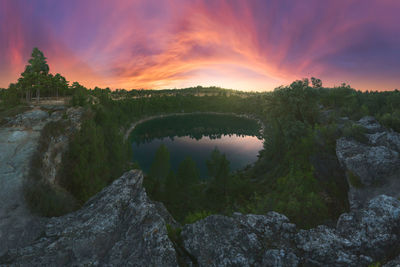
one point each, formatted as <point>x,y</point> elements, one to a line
<point>48,200</point>
<point>355,131</point>
<point>391,120</point>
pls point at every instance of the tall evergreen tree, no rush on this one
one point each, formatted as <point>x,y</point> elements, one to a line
<point>159,171</point>
<point>218,169</point>
<point>35,73</point>
<point>187,178</point>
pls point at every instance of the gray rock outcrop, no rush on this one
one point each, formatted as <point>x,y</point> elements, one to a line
<point>119,226</point>
<point>19,139</point>
<point>18,142</point>
<point>241,240</point>
<point>359,239</point>
<point>373,168</point>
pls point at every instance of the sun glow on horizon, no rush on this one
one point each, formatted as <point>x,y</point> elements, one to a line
<point>247,45</point>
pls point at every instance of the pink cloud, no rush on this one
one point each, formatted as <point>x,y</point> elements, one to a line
<point>239,44</point>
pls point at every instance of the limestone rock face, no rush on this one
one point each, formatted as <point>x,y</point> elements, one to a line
<point>18,142</point>
<point>375,164</point>
<point>119,226</point>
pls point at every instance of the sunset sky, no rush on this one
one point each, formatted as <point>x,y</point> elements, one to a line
<point>239,44</point>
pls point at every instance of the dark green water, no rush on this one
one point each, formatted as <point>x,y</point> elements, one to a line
<point>196,136</point>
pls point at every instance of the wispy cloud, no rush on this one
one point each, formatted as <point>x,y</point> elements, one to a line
<point>253,44</point>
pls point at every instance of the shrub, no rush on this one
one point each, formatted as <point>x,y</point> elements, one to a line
<point>354,180</point>
<point>391,120</point>
<point>355,131</point>
<point>174,234</point>
<point>47,200</point>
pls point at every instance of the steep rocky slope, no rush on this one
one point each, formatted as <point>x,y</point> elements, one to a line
<point>18,141</point>
<point>121,227</point>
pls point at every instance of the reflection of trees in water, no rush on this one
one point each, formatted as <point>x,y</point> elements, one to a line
<point>195,126</point>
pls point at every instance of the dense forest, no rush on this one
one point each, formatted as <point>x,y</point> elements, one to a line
<point>295,173</point>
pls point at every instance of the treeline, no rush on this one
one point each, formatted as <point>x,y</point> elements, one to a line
<point>191,91</point>
<point>97,155</point>
<point>298,173</point>
<point>196,126</point>
<point>36,82</point>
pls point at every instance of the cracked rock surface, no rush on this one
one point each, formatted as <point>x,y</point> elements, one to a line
<point>375,164</point>
<point>18,141</point>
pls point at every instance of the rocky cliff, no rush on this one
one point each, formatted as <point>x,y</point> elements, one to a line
<point>120,226</point>
<point>372,167</point>
<point>18,142</point>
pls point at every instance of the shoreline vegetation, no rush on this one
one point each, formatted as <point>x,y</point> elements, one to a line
<point>134,124</point>
<point>296,174</point>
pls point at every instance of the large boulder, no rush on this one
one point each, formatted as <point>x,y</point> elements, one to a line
<point>373,167</point>
<point>243,240</point>
<point>370,163</point>
<point>119,226</point>
<point>360,237</point>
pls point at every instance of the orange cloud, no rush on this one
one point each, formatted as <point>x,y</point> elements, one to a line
<point>238,44</point>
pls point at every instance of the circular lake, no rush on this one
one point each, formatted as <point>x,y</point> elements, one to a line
<point>196,135</point>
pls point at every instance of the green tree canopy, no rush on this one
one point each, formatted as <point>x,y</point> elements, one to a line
<point>35,73</point>
<point>218,169</point>
<point>161,166</point>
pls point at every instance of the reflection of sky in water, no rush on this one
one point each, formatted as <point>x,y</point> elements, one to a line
<point>239,150</point>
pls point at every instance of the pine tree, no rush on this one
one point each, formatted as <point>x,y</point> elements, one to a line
<point>35,74</point>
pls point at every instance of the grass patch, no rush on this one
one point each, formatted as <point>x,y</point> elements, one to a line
<point>196,216</point>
